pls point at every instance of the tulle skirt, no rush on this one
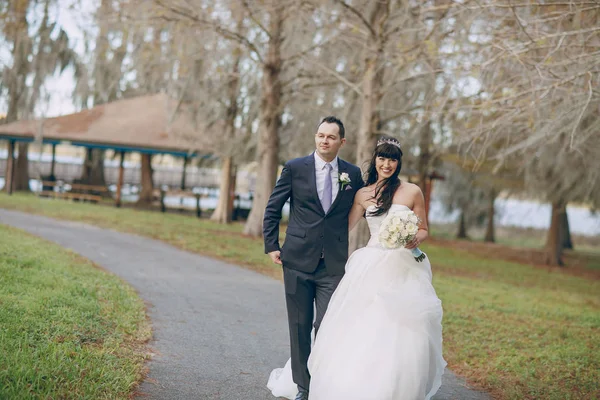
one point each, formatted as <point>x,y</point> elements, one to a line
<point>381,338</point>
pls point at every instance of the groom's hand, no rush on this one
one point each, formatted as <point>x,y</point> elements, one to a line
<point>276,257</point>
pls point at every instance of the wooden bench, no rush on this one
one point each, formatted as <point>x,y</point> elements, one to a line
<point>77,191</point>
<point>160,194</point>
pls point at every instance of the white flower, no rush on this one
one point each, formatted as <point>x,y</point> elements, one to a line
<point>344,179</point>
<point>389,243</point>
<point>413,218</point>
<point>397,229</point>
<point>412,228</point>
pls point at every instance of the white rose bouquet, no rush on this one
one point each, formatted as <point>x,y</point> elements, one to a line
<point>399,228</point>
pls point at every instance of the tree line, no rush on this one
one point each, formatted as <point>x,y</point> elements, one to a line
<point>499,96</point>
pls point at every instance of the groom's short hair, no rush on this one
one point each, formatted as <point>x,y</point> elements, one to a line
<point>334,120</point>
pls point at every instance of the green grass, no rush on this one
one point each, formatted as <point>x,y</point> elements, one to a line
<point>68,330</point>
<point>518,331</point>
<point>523,332</point>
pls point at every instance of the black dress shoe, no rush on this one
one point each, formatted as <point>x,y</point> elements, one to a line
<point>302,395</point>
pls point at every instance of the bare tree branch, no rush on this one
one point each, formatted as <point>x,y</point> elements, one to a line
<point>255,20</point>
<point>359,15</point>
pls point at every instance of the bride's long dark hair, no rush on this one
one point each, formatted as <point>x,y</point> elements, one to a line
<point>384,191</point>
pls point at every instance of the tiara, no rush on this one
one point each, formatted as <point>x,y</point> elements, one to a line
<point>389,141</point>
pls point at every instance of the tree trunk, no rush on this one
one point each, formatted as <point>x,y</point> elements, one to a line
<point>231,197</point>
<point>424,156</point>
<point>553,244</point>
<point>370,117</point>
<point>105,86</point>
<point>366,142</point>
<point>145,198</point>
<point>490,230</point>
<point>565,231</point>
<point>427,197</point>
<point>270,120</point>
<point>367,139</point>
<point>21,183</point>
<point>423,165</point>
<point>21,175</point>
<point>462,226</point>
<point>224,210</point>
<point>16,30</point>
<point>15,83</point>
<point>93,167</point>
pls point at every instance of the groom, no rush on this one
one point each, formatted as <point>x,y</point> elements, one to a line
<point>321,189</point>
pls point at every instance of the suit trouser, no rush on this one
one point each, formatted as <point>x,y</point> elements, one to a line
<point>304,292</point>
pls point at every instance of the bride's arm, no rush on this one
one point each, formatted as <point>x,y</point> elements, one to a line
<point>419,210</point>
<point>356,212</point>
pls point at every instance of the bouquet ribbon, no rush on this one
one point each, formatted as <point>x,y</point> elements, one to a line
<point>418,254</point>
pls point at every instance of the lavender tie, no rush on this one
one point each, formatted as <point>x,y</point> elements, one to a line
<point>327,189</point>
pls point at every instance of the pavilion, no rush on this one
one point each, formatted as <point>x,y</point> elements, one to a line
<point>151,124</point>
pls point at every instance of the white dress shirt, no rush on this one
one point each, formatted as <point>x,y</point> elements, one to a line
<point>321,175</point>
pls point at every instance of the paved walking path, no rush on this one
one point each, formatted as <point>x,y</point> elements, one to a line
<point>218,329</point>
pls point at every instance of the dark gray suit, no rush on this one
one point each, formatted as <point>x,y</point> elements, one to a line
<point>315,251</point>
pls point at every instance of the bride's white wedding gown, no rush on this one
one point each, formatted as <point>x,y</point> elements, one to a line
<point>381,338</point>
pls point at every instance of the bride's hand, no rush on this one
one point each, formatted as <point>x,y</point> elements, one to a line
<point>422,234</point>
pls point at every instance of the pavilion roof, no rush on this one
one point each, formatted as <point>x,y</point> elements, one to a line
<point>151,124</point>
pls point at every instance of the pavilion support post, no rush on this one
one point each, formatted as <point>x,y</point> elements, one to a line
<point>53,163</point>
<point>185,163</point>
<point>198,206</point>
<point>163,194</point>
<point>10,167</point>
<point>120,180</point>
<point>183,174</point>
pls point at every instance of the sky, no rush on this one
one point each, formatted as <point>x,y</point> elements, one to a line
<point>75,17</point>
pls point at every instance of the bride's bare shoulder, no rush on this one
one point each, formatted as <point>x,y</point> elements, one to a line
<point>408,193</point>
<point>363,193</point>
<point>412,187</point>
<point>366,190</point>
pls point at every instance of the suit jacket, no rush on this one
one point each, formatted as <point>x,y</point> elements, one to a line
<point>311,232</point>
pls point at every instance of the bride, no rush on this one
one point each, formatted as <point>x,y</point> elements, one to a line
<point>381,337</point>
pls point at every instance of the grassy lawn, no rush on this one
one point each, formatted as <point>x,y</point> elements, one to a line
<point>518,331</point>
<point>68,330</point>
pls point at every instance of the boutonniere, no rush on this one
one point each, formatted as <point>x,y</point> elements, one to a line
<point>344,180</point>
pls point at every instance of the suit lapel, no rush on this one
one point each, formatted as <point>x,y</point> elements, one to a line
<point>342,167</point>
<point>312,179</point>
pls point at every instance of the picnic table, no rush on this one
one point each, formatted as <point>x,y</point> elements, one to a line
<point>73,191</point>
